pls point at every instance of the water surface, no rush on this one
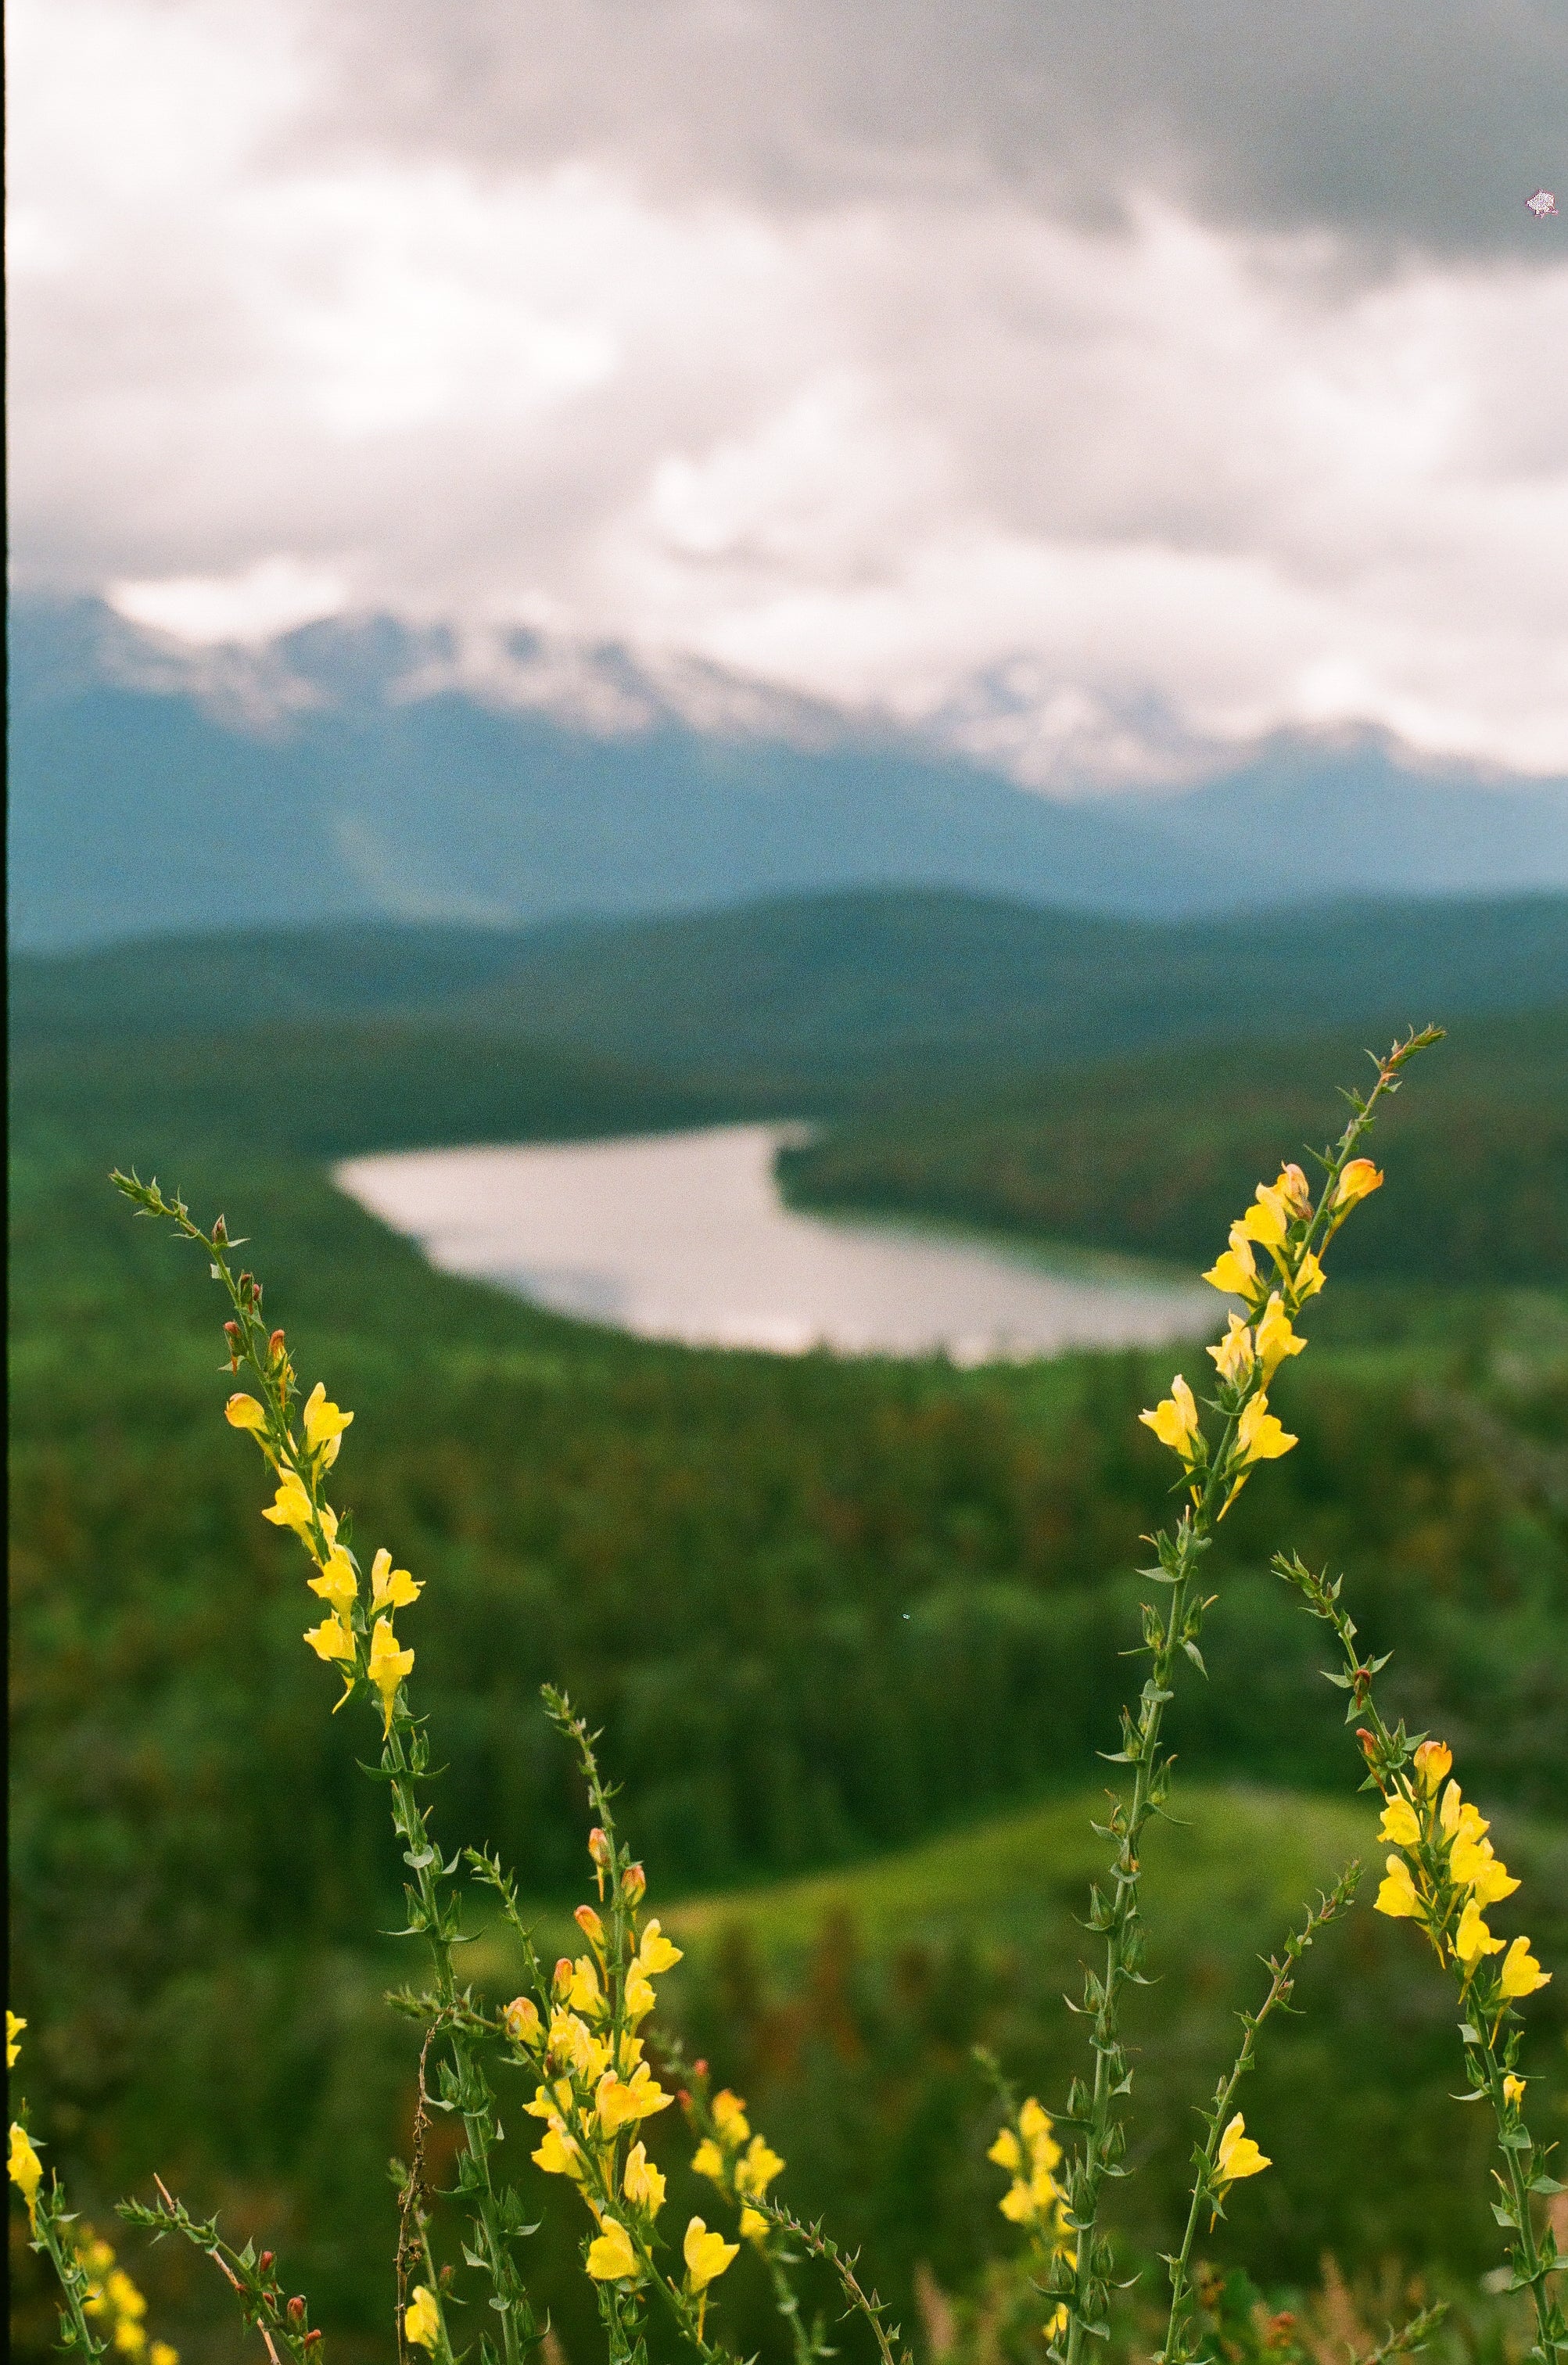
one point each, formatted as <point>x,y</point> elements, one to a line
<point>684,1236</point>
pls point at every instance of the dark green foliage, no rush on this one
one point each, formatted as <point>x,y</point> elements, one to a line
<point>1161,1153</point>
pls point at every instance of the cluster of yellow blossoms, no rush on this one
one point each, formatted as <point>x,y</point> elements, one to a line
<point>297,1505</point>
<point>1447,1874</point>
<point>1030,2155</point>
<point>741,2164</point>
<point>1280,1222</point>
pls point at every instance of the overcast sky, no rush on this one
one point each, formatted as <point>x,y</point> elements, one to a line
<point>1101,379</point>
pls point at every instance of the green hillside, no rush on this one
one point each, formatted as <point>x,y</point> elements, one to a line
<point>814,997</point>
<point>1158,1154</point>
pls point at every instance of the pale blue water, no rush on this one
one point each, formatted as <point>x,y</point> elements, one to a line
<point>684,1237</point>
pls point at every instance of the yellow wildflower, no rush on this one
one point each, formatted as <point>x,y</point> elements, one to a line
<point>1006,2151</point>
<point>618,2102</point>
<point>754,2225</point>
<point>707,2255</point>
<point>1017,2203</point>
<point>642,2184</point>
<point>1175,1420</point>
<point>611,2259</point>
<point>558,2154</point>
<point>708,2161</point>
<point>1236,1271</point>
<point>1473,1865</point>
<point>1521,1974</point>
<point>25,2170</point>
<point>1238,2155</point>
<point>1296,1190</point>
<point>324,1426</point>
<point>14,2027</point>
<point>1234,1353</point>
<point>639,1995</point>
<point>1360,1179</point>
<point>391,1588</point>
<point>337,1582</point>
<point>730,2118</point>
<point>388,1665</point>
<point>1035,2127</point>
<point>655,1954</point>
<point>123,2296</point>
<point>1275,1338</point>
<point>756,2171</point>
<point>332,1639</point>
<point>290,1508</point>
<point>1400,1823</point>
<point>1473,1939</point>
<point>1307,1278</point>
<point>1514,2090</point>
<point>422,2318</point>
<point>1397,1896</point>
<point>585,1995</point>
<point>129,2337</point>
<point>522,2023</point>
<point>1433,1760</point>
<point>1260,1437</point>
<point>162,2352</point>
<point>1269,1219</point>
<point>243,1412</point>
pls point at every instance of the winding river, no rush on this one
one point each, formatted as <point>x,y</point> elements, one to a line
<point>684,1237</point>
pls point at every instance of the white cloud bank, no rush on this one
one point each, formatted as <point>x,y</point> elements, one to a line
<point>1083,492</point>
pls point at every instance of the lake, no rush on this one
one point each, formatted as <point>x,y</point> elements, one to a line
<point>684,1237</point>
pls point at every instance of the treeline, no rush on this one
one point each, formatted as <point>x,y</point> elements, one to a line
<point>1158,1154</point>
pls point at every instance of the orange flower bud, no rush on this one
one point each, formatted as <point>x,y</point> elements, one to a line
<point>633,1884</point>
<point>564,1974</point>
<point>590,1925</point>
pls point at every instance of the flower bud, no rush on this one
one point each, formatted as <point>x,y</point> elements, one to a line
<point>1432,1762</point>
<point>311,2338</point>
<point>296,2310</point>
<point>598,1847</point>
<point>265,2261</point>
<point>633,1884</point>
<point>274,1347</point>
<point>562,1982</point>
<point>221,1232</point>
<point>522,2023</point>
<point>1297,1190</point>
<point>700,2068</point>
<point>590,1925</point>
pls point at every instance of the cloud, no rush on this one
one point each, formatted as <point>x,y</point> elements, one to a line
<point>1093,391</point>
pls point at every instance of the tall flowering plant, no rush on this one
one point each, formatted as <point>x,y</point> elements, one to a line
<point>578,2034</point>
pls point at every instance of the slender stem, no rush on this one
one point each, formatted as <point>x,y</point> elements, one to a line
<point>1102,2142</point>
<point>1207,2188</point>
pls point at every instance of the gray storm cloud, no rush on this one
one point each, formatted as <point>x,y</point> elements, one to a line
<point>1025,371</point>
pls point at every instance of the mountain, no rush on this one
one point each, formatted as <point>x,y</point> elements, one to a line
<point>361,769</point>
<point>806,1002</point>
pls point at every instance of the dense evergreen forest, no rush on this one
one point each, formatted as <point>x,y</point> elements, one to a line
<point>824,1612</point>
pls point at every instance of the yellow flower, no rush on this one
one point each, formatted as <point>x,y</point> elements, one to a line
<point>754,2225</point>
<point>129,2338</point>
<point>1490,1880</point>
<point>1006,2151</point>
<point>1017,2203</point>
<point>162,2353</point>
<point>387,1665</point>
<point>756,2171</point>
<point>337,1582</point>
<point>1360,1179</point>
<point>1397,1896</point>
<point>656,1954</point>
<point>1269,1219</point>
<point>1238,2155</point>
<point>1259,1436</point>
<point>290,1508</point>
<point>1175,1420</point>
<point>124,2297</point>
<point>1473,1939</point>
<point>584,1994</point>
<point>706,2254</point>
<point>1400,1823</point>
<point>1514,2090</point>
<point>522,2023</point>
<point>25,2170</point>
<point>332,1638</point>
<point>1296,1190</point>
<point>639,1995</point>
<point>14,2027</point>
<point>1307,1278</point>
<point>1234,1353</point>
<point>1276,1340</point>
<point>642,2184</point>
<point>324,1426</point>
<point>708,2161</point>
<point>1236,1271</point>
<point>730,2118</point>
<point>1034,2126</point>
<point>422,2318</point>
<point>243,1412</point>
<point>1521,1974</point>
<point>1433,1760</point>
<point>391,1588</point>
<point>638,2097</point>
<point>558,2154</point>
<point>611,2259</point>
